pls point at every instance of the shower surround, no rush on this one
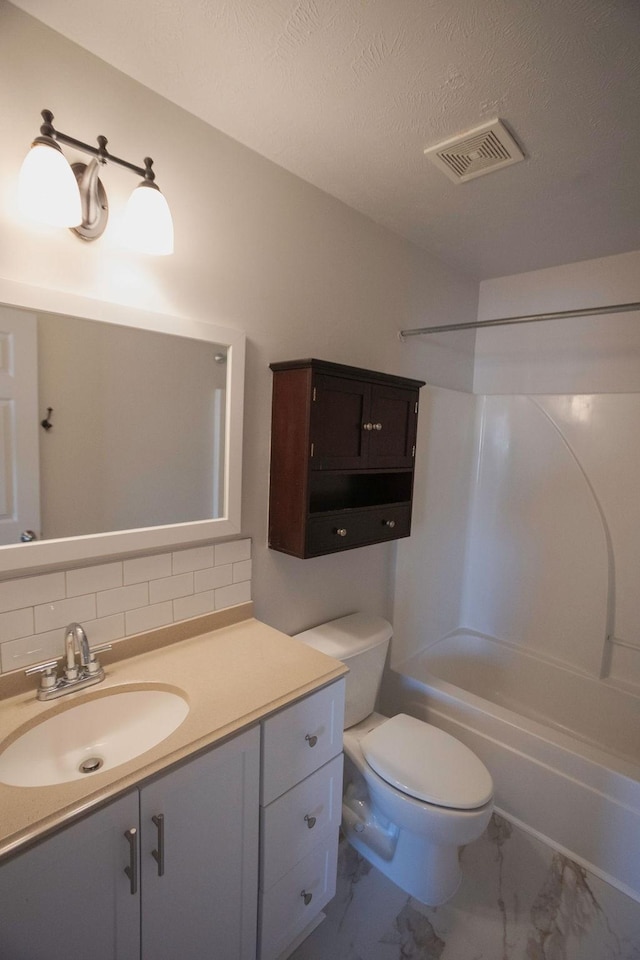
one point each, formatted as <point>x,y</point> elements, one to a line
<point>517,610</point>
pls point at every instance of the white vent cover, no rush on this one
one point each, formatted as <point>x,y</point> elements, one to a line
<point>476,152</point>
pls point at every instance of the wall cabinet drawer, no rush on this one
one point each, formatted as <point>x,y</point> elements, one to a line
<point>291,904</point>
<point>301,739</point>
<point>354,528</point>
<point>294,823</point>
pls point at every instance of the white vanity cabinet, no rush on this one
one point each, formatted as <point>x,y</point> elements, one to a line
<point>301,806</point>
<point>182,884</point>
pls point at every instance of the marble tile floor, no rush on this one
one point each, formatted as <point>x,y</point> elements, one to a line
<point>519,900</point>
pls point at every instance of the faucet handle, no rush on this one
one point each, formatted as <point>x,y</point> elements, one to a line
<point>94,665</point>
<point>48,670</point>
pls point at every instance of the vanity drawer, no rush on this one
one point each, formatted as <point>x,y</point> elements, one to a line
<point>355,528</point>
<point>300,739</point>
<point>294,823</point>
<point>296,900</point>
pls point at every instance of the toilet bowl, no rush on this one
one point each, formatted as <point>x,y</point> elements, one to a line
<point>413,794</point>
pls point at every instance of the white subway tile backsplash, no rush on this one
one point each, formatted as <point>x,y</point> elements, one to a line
<point>196,558</point>
<point>229,596</point>
<point>194,606</point>
<point>149,618</point>
<point>213,578</point>
<point>16,623</point>
<point>171,587</point>
<point>147,568</point>
<point>105,630</point>
<point>242,571</point>
<point>233,552</point>
<point>17,654</point>
<point>28,591</point>
<point>106,576</point>
<point>123,598</point>
<point>48,616</point>
<point>116,599</point>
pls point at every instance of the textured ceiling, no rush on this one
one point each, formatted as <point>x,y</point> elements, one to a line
<point>348,93</point>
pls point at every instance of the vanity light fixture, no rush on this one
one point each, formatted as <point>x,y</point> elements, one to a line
<point>55,192</point>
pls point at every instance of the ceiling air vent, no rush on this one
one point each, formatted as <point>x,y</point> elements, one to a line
<point>476,152</point>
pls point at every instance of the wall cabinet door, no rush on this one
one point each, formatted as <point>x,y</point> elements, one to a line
<point>339,423</point>
<point>199,863</point>
<point>69,898</point>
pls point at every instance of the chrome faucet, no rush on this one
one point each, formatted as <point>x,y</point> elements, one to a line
<point>75,638</point>
<point>75,675</point>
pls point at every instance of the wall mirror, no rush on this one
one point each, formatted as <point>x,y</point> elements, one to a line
<point>120,430</point>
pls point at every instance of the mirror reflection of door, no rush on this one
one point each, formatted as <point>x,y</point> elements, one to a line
<point>19,461</point>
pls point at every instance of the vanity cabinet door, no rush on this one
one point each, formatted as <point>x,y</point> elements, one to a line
<point>199,856</point>
<point>68,898</point>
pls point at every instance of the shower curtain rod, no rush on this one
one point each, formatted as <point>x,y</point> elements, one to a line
<point>531,318</point>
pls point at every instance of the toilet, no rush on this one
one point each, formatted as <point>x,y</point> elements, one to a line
<point>413,794</point>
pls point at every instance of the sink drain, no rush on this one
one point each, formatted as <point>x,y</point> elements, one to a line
<point>91,765</point>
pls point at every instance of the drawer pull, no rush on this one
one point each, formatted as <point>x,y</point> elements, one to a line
<point>310,821</point>
<point>307,897</point>
<point>311,740</point>
<point>390,523</point>
<point>341,531</point>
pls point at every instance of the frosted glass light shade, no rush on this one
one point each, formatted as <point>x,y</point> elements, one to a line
<point>47,187</point>
<point>147,226</point>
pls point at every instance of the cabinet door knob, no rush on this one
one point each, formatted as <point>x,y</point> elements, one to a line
<point>376,426</point>
<point>310,821</point>
<point>311,740</point>
<point>390,523</point>
<point>367,426</point>
<point>341,531</point>
<point>307,897</point>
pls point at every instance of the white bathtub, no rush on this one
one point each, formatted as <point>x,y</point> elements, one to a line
<point>563,748</point>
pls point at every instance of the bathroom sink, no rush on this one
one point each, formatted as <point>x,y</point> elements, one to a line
<point>94,735</point>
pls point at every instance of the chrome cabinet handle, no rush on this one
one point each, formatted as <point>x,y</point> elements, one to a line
<point>311,740</point>
<point>367,426</point>
<point>376,426</point>
<point>390,523</point>
<point>158,855</point>
<point>132,870</point>
<point>341,532</point>
<point>307,897</point>
<point>310,821</point>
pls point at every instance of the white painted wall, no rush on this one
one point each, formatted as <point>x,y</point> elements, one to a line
<point>256,248</point>
<point>598,354</point>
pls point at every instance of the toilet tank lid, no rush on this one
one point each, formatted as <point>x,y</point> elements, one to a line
<point>348,636</point>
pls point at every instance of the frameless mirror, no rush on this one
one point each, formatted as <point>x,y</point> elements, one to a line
<point>120,430</point>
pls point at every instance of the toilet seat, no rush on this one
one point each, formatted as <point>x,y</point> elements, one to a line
<point>427,763</point>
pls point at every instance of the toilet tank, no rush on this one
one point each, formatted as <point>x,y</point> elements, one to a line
<point>361,642</point>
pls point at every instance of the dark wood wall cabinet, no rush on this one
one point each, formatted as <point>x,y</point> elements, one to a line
<point>342,457</point>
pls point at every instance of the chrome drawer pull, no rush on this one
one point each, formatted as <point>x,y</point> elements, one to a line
<point>307,897</point>
<point>341,532</point>
<point>310,821</point>
<point>390,523</point>
<point>132,870</point>
<point>311,740</point>
<point>158,855</point>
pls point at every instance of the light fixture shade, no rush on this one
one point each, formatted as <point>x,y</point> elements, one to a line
<point>148,227</point>
<point>47,187</point>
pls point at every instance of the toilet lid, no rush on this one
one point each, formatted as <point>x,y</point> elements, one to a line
<point>427,763</point>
